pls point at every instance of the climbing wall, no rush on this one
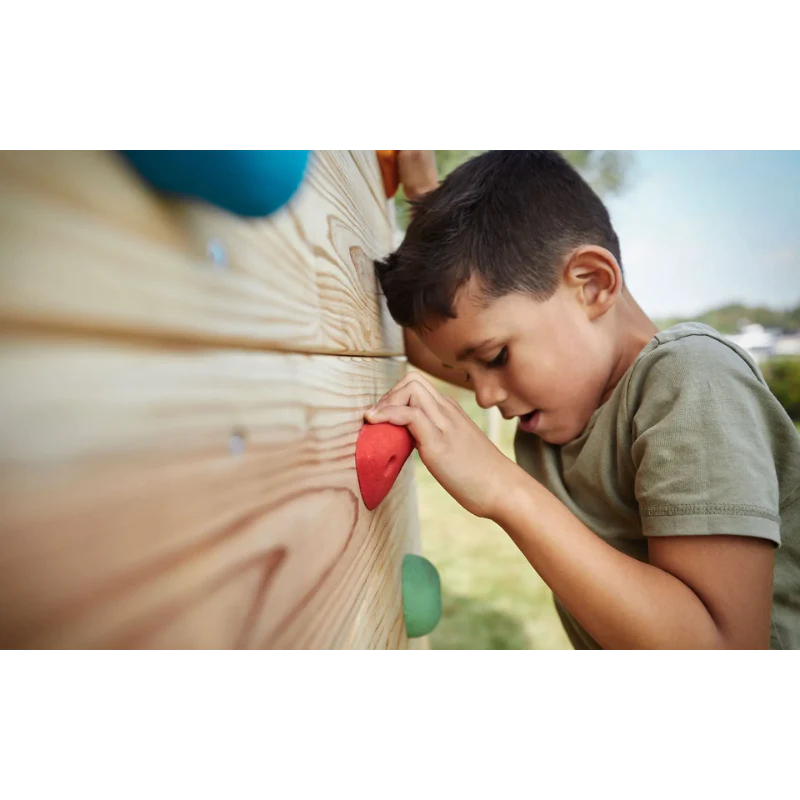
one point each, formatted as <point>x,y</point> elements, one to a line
<point>181,393</point>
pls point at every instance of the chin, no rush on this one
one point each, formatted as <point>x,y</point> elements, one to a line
<point>561,434</point>
<point>556,438</point>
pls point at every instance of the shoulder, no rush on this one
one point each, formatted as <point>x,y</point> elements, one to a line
<point>692,356</point>
<point>694,343</point>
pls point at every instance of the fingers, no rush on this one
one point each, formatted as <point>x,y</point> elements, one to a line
<point>411,397</point>
<point>415,391</point>
<point>422,381</point>
<point>417,171</point>
<point>415,380</point>
<point>456,406</point>
<point>425,433</point>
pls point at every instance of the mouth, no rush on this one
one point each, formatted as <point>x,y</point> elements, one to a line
<point>517,416</point>
<point>529,421</point>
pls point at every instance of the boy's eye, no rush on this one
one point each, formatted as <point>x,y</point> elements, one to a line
<point>500,359</point>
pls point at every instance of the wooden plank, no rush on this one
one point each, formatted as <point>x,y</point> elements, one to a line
<point>193,499</point>
<point>84,245</point>
<point>99,185</point>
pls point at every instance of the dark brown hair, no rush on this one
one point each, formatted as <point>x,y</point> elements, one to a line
<point>508,217</point>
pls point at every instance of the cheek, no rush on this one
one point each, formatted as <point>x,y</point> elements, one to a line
<point>569,386</point>
<point>570,376</point>
<point>540,380</point>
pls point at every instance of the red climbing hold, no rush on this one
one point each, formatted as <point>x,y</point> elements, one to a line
<point>381,451</point>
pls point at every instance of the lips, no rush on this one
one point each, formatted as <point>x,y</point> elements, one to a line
<point>516,416</point>
<point>529,421</point>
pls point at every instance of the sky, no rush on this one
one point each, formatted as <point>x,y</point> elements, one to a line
<point>700,229</point>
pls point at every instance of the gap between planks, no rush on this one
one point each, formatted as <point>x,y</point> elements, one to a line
<point>124,336</point>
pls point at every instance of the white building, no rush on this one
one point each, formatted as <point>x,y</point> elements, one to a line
<point>763,343</point>
<point>788,345</point>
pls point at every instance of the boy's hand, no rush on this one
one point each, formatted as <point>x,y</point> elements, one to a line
<point>454,449</point>
<point>417,170</point>
<point>414,170</point>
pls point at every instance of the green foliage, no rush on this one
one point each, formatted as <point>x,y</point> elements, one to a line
<point>448,160</point>
<point>783,377</point>
<point>607,171</point>
<point>726,318</point>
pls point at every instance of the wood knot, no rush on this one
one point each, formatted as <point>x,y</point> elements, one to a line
<point>365,269</point>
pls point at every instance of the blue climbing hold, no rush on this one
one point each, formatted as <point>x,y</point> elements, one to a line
<point>251,183</point>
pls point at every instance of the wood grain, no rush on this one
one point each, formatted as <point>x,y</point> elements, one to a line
<point>86,246</point>
<point>193,498</point>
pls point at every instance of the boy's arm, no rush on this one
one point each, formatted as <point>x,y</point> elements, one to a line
<point>708,495</point>
<point>697,592</point>
<point>708,585</point>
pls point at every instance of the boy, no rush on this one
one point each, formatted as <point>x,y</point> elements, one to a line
<point>657,483</point>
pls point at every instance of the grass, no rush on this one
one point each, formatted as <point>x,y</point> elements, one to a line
<point>492,598</point>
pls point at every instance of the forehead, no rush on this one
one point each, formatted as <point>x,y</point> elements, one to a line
<point>472,310</point>
<point>479,318</point>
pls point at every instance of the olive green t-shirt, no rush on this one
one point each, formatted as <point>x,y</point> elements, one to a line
<point>691,442</point>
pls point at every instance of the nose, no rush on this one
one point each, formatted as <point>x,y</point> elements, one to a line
<point>489,393</point>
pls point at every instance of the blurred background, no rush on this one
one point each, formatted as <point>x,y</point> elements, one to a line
<point>711,236</point>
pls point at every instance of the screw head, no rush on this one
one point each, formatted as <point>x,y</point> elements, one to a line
<point>216,253</point>
<point>236,443</point>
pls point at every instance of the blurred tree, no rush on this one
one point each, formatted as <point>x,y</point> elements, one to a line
<point>607,171</point>
<point>783,377</point>
<point>726,318</point>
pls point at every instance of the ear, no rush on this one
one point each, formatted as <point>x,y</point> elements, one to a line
<point>595,276</point>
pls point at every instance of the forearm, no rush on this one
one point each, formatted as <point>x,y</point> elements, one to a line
<point>621,602</point>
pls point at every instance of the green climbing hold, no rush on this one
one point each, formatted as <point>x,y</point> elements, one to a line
<point>422,596</point>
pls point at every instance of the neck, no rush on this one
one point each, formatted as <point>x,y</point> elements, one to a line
<point>635,329</point>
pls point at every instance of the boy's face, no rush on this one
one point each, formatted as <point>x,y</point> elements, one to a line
<point>545,362</point>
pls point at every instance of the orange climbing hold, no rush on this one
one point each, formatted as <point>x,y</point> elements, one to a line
<point>390,170</point>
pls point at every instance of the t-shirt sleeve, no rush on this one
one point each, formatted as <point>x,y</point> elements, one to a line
<point>701,443</point>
